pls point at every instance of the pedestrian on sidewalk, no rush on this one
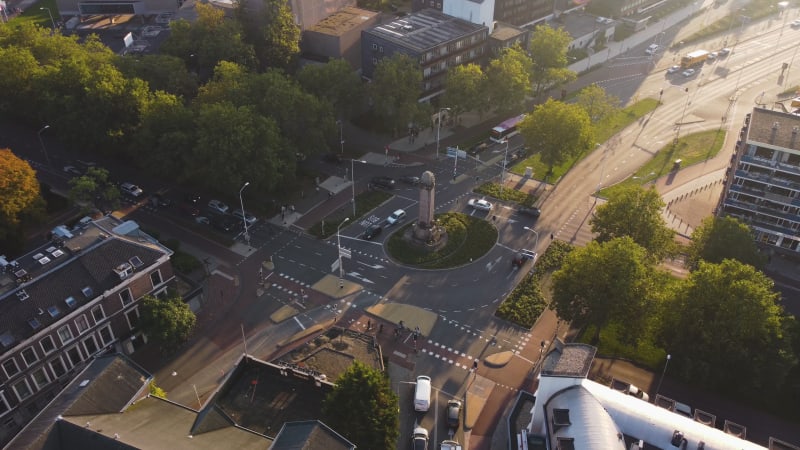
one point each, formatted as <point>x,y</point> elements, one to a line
<point>369,324</point>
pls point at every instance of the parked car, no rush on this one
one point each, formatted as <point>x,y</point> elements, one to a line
<point>724,52</point>
<point>419,440</point>
<point>674,69</point>
<point>712,56</point>
<point>795,23</point>
<point>131,189</point>
<point>652,49</point>
<point>480,204</point>
<point>688,72</point>
<point>202,220</point>
<point>396,217</point>
<point>218,206</point>
<point>453,414</point>
<point>372,231</point>
<point>249,218</point>
<point>72,170</point>
<point>530,212</point>
<point>408,179</point>
<point>223,223</point>
<point>160,200</point>
<point>384,182</point>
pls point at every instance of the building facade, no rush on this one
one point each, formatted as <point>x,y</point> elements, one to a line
<point>515,12</point>
<point>762,184</point>
<point>65,303</point>
<point>339,36</point>
<point>436,40</point>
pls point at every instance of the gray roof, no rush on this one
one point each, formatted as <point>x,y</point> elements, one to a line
<point>589,425</point>
<point>107,385</point>
<point>763,129</point>
<point>424,30</point>
<point>568,360</point>
<point>79,268</point>
<point>309,435</point>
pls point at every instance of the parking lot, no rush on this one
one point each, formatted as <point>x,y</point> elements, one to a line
<point>434,420</point>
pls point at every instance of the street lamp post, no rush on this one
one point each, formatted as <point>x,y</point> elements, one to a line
<point>52,22</point>
<point>602,170</point>
<point>439,129</point>
<point>536,233</point>
<point>339,248</point>
<point>353,181</point>
<point>41,142</point>
<point>244,216</point>
<point>503,173</point>
<point>658,388</point>
<point>341,137</point>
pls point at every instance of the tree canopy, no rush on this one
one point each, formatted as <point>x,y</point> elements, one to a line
<point>169,322</point>
<point>597,103</point>
<point>557,131</point>
<point>508,79</point>
<point>636,212</point>
<point>271,29</point>
<point>96,189</point>
<point>363,408</point>
<point>335,82</point>
<point>19,188</point>
<point>465,89</point>
<point>720,238</point>
<point>548,48</point>
<point>603,283</point>
<point>725,330</point>
<point>395,90</point>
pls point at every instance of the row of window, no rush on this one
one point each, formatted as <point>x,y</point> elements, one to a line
<point>66,335</point>
<point>58,366</point>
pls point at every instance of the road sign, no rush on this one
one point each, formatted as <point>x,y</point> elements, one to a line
<point>345,253</point>
<point>452,152</point>
<point>335,265</point>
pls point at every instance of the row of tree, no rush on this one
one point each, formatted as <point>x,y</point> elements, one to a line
<point>723,325</point>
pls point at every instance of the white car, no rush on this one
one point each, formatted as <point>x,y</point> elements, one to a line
<point>72,170</point>
<point>688,72</point>
<point>795,24</point>
<point>249,218</point>
<point>131,189</point>
<point>652,49</point>
<point>396,217</point>
<point>480,204</point>
<point>674,69</point>
<point>713,55</point>
<point>218,206</point>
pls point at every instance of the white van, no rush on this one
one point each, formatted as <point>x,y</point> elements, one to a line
<point>422,393</point>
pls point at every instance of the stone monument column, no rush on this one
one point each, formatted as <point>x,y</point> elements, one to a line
<point>427,193</point>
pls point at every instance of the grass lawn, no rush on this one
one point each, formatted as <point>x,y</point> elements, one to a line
<point>37,16</point>
<point>603,132</point>
<point>692,149</point>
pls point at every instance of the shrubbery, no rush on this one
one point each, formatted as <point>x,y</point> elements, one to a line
<point>506,194</point>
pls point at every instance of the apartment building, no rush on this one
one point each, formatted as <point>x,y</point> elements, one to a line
<point>68,301</point>
<point>762,185</point>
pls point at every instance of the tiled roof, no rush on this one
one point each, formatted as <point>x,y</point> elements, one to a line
<point>309,434</point>
<point>424,30</point>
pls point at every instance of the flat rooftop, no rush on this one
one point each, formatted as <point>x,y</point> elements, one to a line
<point>424,30</point>
<point>343,21</point>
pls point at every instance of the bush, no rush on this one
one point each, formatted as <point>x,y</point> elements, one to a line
<point>506,194</point>
<point>184,262</point>
<point>553,257</point>
<point>525,303</point>
<point>462,229</point>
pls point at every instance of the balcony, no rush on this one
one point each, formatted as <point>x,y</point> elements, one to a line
<point>764,162</point>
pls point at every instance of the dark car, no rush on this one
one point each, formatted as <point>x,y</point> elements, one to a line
<point>523,256</point>
<point>223,223</point>
<point>372,231</point>
<point>383,182</point>
<point>453,414</point>
<point>160,200</point>
<point>530,212</point>
<point>408,179</point>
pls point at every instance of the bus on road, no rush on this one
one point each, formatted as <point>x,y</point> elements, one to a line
<point>506,129</point>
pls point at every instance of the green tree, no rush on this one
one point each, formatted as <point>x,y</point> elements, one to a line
<point>508,80</point>
<point>636,212</point>
<point>271,29</point>
<point>548,48</point>
<point>161,72</point>
<point>395,89</point>
<point>465,89</point>
<point>602,283</point>
<point>167,133</point>
<point>719,238</point>
<point>597,103</point>
<point>94,188</point>
<point>557,131</point>
<point>363,408</point>
<point>168,322</point>
<point>335,82</point>
<point>725,330</point>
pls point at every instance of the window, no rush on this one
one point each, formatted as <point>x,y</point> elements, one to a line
<point>58,368</point>
<point>380,49</point>
<point>74,356</point>
<point>82,324</point>
<point>374,61</point>
<point>90,345</point>
<point>40,378</point>
<point>3,405</point>
<point>22,389</point>
<point>65,334</point>
<point>54,311</point>
<point>133,318</point>
<point>374,46</point>
<point>10,367</point>
<point>106,335</point>
<point>47,345</point>
<point>29,356</point>
<point>155,277</point>
<point>126,297</point>
<point>98,314</point>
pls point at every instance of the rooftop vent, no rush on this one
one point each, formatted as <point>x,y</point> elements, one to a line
<point>136,262</point>
<point>54,311</point>
<point>123,270</point>
<point>71,302</point>
<point>44,260</point>
<point>57,253</point>
<point>84,383</point>
<point>775,125</point>
<point>40,311</point>
<point>565,443</point>
<point>34,323</point>
<point>7,339</point>
<point>22,295</point>
<point>88,292</point>
<point>561,417</point>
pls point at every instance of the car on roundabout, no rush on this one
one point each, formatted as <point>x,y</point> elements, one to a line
<point>523,256</point>
<point>530,212</point>
<point>408,179</point>
<point>480,204</point>
<point>372,231</point>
